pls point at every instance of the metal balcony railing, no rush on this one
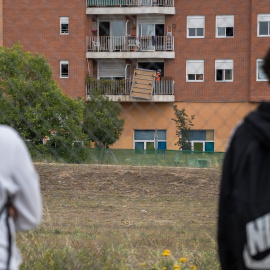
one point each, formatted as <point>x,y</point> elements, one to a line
<point>129,43</point>
<point>123,87</point>
<point>130,3</point>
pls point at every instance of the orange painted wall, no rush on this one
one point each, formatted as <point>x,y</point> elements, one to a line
<point>222,117</point>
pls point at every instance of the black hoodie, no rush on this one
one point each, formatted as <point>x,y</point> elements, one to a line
<point>244,205</point>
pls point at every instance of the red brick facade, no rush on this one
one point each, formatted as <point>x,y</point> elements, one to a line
<point>217,106</point>
<point>36,25</point>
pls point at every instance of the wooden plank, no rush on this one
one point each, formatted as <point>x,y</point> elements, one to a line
<point>146,72</point>
<point>144,77</point>
<point>143,92</point>
<point>140,81</point>
<point>143,86</point>
<point>141,95</point>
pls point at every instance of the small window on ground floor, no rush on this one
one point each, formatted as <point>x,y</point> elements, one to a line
<point>202,140</point>
<point>150,139</point>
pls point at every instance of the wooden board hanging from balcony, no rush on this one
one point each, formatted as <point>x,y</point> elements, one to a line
<point>143,83</point>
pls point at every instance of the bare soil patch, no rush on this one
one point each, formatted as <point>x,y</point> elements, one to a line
<point>126,196</point>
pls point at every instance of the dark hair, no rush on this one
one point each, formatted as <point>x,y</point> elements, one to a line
<point>266,65</point>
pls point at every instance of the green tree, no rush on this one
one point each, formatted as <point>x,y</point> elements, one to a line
<point>33,103</point>
<point>102,122</point>
<point>183,125</point>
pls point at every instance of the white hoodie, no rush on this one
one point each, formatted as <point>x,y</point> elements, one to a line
<point>20,182</point>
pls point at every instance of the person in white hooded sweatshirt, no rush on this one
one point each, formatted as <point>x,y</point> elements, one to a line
<point>20,198</point>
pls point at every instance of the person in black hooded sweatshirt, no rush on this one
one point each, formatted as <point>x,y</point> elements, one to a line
<point>244,201</point>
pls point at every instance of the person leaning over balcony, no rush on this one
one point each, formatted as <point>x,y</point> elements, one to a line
<point>158,75</point>
<point>244,208</point>
<point>20,198</point>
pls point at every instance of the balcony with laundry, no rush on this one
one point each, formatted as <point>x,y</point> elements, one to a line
<point>121,38</point>
<point>134,7</point>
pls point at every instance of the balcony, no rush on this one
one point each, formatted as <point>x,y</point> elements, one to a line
<point>161,47</point>
<point>119,90</point>
<point>132,7</point>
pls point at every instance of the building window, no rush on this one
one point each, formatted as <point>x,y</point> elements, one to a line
<point>261,76</point>
<point>224,26</point>
<point>150,139</point>
<point>195,70</point>
<point>113,69</point>
<point>195,26</point>
<point>64,69</point>
<point>264,25</point>
<point>64,22</point>
<point>224,70</point>
<point>202,140</point>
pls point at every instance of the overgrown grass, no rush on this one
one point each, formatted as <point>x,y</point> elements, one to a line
<point>55,249</point>
<point>117,218</point>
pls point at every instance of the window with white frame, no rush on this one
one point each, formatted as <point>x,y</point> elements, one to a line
<point>263,25</point>
<point>202,140</point>
<point>224,70</point>
<point>225,26</point>
<point>195,70</point>
<point>261,76</point>
<point>64,25</point>
<point>195,26</point>
<point>150,139</point>
<point>64,69</point>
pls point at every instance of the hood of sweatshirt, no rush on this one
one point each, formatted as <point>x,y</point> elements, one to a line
<point>259,123</point>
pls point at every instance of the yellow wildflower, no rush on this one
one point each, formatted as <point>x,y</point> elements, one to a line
<point>166,252</point>
<point>176,266</point>
<point>183,260</point>
<point>193,267</point>
<point>143,264</point>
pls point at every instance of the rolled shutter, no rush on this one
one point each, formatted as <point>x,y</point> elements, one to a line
<point>225,21</point>
<point>224,64</point>
<point>160,19</point>
<point>64,20</point>
<point>111,68</point>
<point>195,67</point>
<point>195,21</point>
<point>264,17</point>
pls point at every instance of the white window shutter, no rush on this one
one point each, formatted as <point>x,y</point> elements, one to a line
<point>224,64</point>
<point>64,20</point>
<point>195,66</point>
<point>225,21</point>
<point>264,17</point>
<point>195,21</point>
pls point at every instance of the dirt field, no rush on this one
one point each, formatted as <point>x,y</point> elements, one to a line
<point>137,210</point>
<point>129,196</point>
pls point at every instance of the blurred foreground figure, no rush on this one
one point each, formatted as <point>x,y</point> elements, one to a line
<point>244,206</point>
<point>20,199</point>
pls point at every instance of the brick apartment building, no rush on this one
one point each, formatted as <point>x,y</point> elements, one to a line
<point>209,53</point>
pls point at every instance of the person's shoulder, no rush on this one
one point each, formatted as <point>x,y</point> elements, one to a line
<point>8,133</point>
